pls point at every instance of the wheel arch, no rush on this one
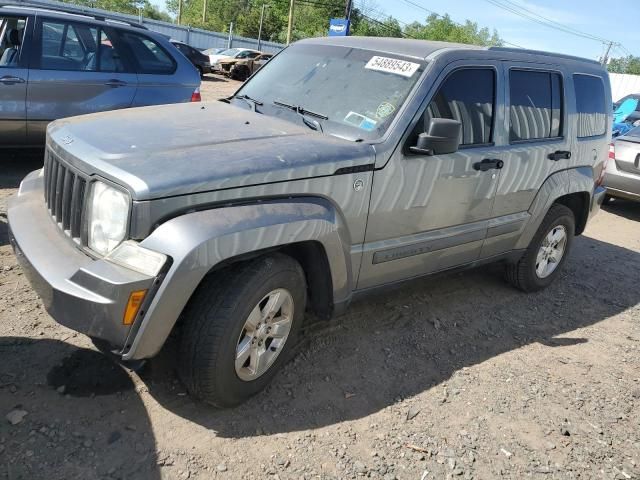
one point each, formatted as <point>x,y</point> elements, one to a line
<point>309,229</point>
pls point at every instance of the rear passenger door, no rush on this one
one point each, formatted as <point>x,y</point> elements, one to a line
<point>77,68</point>
<point>538,144</point>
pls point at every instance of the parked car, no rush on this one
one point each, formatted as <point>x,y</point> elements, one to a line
<point>626,114</point>
<point>199,59</point>
<point>622,175</point>
<point>56,64</point>
<point>230,54</point>
<point>305,191</point>
<point>241,69</point>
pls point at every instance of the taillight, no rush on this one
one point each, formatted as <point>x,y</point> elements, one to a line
<point>612,151</point>
<point>195,96</point>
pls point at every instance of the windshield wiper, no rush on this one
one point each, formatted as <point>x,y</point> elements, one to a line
<point>301,110</point>
<point>313,124</point>
<point>253,103</point>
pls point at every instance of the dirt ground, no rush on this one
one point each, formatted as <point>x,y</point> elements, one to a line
<point>458,376</point>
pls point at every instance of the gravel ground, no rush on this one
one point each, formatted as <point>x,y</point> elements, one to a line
<point>458,376</point>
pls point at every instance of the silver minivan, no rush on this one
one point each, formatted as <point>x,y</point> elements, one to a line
<point>56,64</point>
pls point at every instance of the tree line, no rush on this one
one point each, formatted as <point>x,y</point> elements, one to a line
<point>311,19</point>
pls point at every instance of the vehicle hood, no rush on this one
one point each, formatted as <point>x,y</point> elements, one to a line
<point>181,149</point>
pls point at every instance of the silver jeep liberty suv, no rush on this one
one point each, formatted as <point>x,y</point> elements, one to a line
<point>342,166</point>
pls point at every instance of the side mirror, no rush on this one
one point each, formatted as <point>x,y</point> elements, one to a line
<point>442,137</point>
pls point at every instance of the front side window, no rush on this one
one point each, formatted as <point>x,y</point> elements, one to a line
<point>468,96</point>
<point>536,105</point>
<point>149,55</point>
<point>11,33</point>
<point>351,92</point>
<point>590,106</point>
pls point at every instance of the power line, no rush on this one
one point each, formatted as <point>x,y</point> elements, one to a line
<point>542,20</point>
<point>431,12</point>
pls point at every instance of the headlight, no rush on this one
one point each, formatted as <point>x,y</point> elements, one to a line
<point>108,212</point>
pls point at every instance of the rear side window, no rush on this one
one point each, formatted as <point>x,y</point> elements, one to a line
<point>149,55</point>
<point>472,107</point>
<point>590,106</point>
<point>77,47</point>
<point>536,105</point>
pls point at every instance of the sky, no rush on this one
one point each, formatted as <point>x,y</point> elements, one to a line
<point>595,17</point>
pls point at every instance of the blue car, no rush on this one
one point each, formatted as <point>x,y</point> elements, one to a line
<point>626,113</point>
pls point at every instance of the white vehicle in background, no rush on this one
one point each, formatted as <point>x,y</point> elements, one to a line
<point>237,53</point>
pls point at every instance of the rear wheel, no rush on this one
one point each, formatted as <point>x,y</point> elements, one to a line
<point>239,328</point>
<point>542,261</point>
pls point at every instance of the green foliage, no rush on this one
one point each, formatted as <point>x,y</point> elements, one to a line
<point>630,65</point>
<point>444,29</point>
<point>311,19</point>
<point>126,6</point>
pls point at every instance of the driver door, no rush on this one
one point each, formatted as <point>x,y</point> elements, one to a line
<point>432,212</point>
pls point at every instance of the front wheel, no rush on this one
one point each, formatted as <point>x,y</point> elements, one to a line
<point>239,328</point>
<point>542,261</point>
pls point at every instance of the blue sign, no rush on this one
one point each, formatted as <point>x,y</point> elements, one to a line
<point>339,27</point>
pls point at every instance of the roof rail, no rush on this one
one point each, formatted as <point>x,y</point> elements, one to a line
<point>73,9</point>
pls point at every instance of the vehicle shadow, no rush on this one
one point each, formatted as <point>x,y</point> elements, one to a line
<point>413,339</point>
<point>624,208</point>
<point>70,409</point>
<point>15,165</point>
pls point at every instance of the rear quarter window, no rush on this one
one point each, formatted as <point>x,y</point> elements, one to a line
<point>591,109</point>
<point>150,57</point>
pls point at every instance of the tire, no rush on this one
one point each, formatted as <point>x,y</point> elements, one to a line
<point>524,274</point>
<point>214,327</point>
<point>240,74</point>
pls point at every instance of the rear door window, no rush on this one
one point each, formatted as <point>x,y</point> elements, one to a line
<point>149,55</point>
<point>536,105</point>
<point>77,47</point>
<point>590,105</point>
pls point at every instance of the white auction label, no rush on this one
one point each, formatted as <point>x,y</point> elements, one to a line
<point>392,65</point>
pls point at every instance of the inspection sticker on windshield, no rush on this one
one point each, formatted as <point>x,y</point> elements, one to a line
<point>392,65</point>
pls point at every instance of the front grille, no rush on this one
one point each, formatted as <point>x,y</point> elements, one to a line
<point>64,194</point>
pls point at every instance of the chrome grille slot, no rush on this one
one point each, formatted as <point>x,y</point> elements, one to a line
<point>64,194</point>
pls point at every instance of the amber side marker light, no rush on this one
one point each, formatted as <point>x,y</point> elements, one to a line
<point>133,305</point>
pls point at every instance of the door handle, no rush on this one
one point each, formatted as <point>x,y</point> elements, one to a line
<point>488,164</point>
<point>559,155</point>
<point>10,80</point>
<point>114,83</point>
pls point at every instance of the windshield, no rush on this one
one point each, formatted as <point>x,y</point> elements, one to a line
<point>230,52</point>
<point>358,91</point>
<point>211,51</point>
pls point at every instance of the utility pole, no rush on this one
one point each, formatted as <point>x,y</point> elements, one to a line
<point>204,11</point>
<point>290,29</point>
<point>179,12</point>
<point>230,41</point>
<point>605,57</point>
<point>264,6</point>
<point>347,11</point>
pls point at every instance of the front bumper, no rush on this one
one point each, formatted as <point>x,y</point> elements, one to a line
<point>79,292</point>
